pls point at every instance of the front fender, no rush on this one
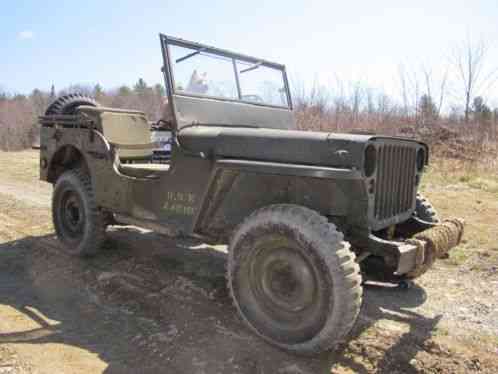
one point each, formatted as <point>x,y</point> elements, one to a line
<point>239,187</point>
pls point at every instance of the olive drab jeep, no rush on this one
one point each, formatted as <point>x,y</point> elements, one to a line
<point>307,216</point>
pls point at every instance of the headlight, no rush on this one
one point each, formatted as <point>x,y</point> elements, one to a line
<point>420,159</point>
<point>370,162</point>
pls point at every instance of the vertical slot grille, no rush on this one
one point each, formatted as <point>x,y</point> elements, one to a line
<point>396,173</point>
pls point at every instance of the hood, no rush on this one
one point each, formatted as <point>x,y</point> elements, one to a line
<point>272,145</point>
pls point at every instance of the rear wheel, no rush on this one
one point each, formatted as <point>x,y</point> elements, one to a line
<point>293,279</point>
<point>79,224</point>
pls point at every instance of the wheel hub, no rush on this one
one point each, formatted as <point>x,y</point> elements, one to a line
<point>286,280</point>
<point>72,214</point>
<point>281,289</point>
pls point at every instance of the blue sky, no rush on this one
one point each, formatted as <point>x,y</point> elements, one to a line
<point>115,42</point>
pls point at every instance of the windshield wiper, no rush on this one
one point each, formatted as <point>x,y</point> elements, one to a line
<point>190,55</point>
<point>252,67</point>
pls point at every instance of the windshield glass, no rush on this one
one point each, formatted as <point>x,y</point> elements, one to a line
<point>202,73</point>
<point>197,72</point>
<point>261,84</point>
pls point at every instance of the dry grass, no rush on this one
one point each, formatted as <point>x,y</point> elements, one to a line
<point>20,166</point>
<point>446,173</point>
<point>467,190</point>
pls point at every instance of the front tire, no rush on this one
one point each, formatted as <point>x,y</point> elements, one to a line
<point>293,279</point>
<point>425,211</point>
<point>78,222</point>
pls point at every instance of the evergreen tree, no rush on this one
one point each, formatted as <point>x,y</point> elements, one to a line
<point>19,97</point>
<point>481,111</point>
<point>124,91</point>
<point>428,109</point>
<point>98,91</point>
<point>159,90</point>
<point>39,100</point>
<point>140,86</point>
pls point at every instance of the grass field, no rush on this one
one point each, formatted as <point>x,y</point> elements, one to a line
<point>468,191</point>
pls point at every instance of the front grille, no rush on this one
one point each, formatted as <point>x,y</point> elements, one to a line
<point>396,173</point>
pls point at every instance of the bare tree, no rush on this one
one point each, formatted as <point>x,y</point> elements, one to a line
<point>429,88</point>
<point>469,62</point>
<point>356,99</point>
<point>410,91</point>
<point>404,88</point>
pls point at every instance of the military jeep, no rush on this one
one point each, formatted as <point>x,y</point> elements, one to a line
<point>307,216</point>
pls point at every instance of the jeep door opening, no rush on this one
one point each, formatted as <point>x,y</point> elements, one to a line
<point>304,214</point>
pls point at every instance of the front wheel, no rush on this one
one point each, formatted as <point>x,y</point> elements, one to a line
<point>293,279</point>
<point>79,224</point>
<point>425,211</point>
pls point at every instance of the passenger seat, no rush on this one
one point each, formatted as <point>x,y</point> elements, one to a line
<point>127,130</point>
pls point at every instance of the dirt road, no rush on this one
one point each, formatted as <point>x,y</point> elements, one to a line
<point>148,304</point>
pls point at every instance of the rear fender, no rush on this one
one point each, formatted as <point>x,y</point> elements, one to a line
<point>65,158</point>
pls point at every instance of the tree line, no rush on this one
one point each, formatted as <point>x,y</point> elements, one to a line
<point>456,94</point>
<point>352,107</point>
<point>19,113</point>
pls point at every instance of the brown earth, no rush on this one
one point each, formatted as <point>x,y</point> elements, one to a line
<point>149,304</point>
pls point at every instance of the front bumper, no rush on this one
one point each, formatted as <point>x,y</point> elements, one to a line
<point>431,244</point>
<point>414,256</point>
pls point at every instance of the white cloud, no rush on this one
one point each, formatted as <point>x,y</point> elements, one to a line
<point>26,34</point>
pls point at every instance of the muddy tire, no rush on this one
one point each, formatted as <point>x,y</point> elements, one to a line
<point>78,222</point>
<point>425,211</point>
<point>293,279</point>
<point>67,104</point>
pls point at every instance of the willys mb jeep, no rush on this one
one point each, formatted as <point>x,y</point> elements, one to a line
<point>307,216</point>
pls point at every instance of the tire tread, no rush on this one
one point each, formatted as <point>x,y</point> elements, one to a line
<point>66,104</point>
<point>337,257</point>
<point>92,243</point>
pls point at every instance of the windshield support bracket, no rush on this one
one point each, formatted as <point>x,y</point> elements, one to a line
<point>252,67</point>
<point>199,51</point>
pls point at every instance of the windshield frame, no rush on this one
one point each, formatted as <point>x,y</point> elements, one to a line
<point>198,48</point>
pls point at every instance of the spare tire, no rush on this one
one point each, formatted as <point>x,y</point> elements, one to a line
<point>67,104</point>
